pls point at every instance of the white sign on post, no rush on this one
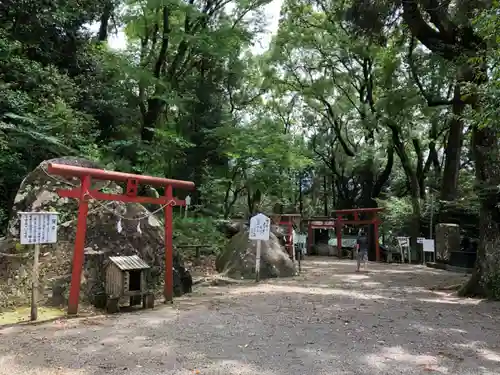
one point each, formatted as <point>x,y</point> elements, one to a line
<point>420,239</point>
<point>403,241</point>
<point>404,247</point>
<point>260,228</point>
<point>38,228</point>
<point>428,247</point>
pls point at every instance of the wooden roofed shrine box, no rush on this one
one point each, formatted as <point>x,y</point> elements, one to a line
<point>125,278</point>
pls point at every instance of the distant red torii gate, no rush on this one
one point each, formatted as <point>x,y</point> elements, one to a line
<point>286,220</point>
<point>83,193</point>
<point>339,222</point>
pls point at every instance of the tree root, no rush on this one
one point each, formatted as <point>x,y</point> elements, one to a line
<point>472,289</point>
<point>217,280</point>
<point>452,287</point>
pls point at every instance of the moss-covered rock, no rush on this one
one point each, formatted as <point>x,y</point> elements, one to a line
<point>238,258</point>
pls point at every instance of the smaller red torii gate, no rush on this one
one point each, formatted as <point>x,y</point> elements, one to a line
<point>338,223</point>
<point>286,220</point>
<point>84,193</point>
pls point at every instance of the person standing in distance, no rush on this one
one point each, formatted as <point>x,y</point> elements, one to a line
<point>362,249</point>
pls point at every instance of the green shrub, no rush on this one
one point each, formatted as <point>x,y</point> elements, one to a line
<point>198,231</point>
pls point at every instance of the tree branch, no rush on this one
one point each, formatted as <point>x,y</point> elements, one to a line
<point>162,56</point>
<point>431,102</point>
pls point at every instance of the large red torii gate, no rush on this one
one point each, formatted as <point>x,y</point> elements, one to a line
<point>83,193</point>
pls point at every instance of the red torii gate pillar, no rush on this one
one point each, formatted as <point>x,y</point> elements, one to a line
<point>84,193</point>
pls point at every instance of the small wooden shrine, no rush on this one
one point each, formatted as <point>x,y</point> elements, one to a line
<point>125,278</point>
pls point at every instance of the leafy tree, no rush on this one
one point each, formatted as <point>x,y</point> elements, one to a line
<point>357,103</point>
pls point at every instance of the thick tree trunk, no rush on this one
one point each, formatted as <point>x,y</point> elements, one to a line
<point>485,280</point>
<point>325,196</point>
<point>107,12</point>
<point>301,196</point>
<point>412,178</point>
<point>334,194</point>
<point>453,149</point>
<point>454,43</point>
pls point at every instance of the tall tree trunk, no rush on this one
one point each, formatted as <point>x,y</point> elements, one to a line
<point>412,178</point>
<point>453,151</point>
<point>334,195</point>
<point>485,280</point>
<point>325,196</point>
<point>455,43</point>
<point>301,197</point>
<point>107,12</point>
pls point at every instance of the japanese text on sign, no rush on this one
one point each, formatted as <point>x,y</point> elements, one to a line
<point>38,227</point>
<point>403,241</point>
<point>260,227</point>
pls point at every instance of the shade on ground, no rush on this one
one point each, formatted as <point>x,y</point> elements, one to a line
<point>329,321</point>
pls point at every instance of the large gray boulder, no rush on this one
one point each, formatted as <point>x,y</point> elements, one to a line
<point>38,193</point>
<point>238,258</point>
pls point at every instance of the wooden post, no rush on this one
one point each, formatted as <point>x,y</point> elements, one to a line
<point>257,262</point>
<point>300,258</point>
<point>34,285</point>
<point>339,236</point>
<point>310,238</point>
<point>187,201</point>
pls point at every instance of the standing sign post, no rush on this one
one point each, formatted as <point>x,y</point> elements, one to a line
<point>404,247</point>
<point>300,245</point>
<point>420,241</point>
<point>428,247</point>
<point>37,228</point>
<point>260,228</point>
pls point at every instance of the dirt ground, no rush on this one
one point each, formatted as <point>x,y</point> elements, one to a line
<point>329,320</point>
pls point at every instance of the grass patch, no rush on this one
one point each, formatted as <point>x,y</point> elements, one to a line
<point>22,314</point>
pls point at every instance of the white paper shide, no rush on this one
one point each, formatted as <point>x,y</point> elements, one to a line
<point>38,228</point>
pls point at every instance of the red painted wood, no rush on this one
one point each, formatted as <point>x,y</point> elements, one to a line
<point>75,193</point>
<point>78,255</point>
<point>101,174</point>
<point>83,194</point>
<point>169,265</point>
<point>339,222</point>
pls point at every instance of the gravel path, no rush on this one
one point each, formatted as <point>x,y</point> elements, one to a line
<point>328,321</point>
